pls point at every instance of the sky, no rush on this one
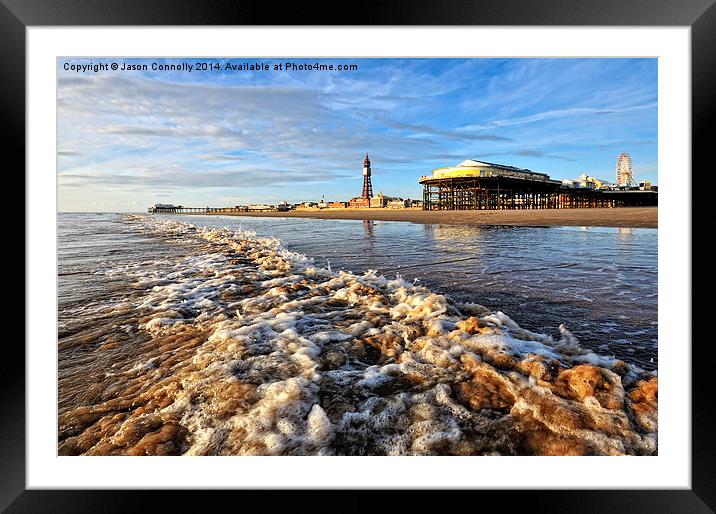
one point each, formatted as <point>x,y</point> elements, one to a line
<point>128,139</point>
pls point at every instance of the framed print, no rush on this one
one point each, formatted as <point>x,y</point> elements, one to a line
<point>426,248</point>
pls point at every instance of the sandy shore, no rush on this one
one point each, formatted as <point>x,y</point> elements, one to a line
<point>645,217</point>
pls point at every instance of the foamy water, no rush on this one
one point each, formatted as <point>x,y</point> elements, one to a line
<point>215,341</point>
<point>600,282</point>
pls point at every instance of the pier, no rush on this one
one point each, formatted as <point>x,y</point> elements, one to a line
<point>475,185</point>
<point>492,193</point>
<point>179,209</point>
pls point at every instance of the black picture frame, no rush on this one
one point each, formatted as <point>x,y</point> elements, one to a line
<point>700,15</point>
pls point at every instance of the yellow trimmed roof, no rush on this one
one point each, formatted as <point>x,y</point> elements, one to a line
<point>475,168</point>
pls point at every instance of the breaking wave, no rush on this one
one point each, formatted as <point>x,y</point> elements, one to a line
<point>241,347</point>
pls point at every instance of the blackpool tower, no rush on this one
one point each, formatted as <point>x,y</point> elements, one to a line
<point>367,187</point>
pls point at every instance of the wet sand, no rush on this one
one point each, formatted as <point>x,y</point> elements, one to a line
<point>642,217</point>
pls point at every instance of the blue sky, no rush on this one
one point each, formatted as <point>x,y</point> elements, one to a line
<point>129,139</point>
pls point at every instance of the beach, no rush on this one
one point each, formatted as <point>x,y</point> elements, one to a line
<point>634,217</point>
<point>181,337</point>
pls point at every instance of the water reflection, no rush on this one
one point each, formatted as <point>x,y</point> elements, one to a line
<point>624,237</point>
<point>368,229</point>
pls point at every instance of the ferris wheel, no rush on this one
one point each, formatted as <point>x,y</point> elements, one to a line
<point>625,176</point>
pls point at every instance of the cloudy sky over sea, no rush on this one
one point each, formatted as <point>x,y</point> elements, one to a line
<point>129,139</point>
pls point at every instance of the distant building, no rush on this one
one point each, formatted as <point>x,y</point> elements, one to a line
<point>586,182</point>
<point>645,185</point>
<point>261,207</point>
<point>359,202</point>
<point>164,207</point>
<point>379,201</point>
<point>398,203</point>
<point>337,205</point>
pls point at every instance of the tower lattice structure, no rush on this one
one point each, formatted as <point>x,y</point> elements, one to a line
<point>367,186</point>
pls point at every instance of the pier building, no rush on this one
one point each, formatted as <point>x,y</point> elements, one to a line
<point>478,185</point>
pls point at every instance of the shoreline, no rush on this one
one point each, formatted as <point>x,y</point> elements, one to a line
<point>621,217</point>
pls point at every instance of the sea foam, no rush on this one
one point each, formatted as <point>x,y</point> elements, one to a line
<point>242,347</point>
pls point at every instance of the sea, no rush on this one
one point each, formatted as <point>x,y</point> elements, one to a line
<point>215,335</point>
